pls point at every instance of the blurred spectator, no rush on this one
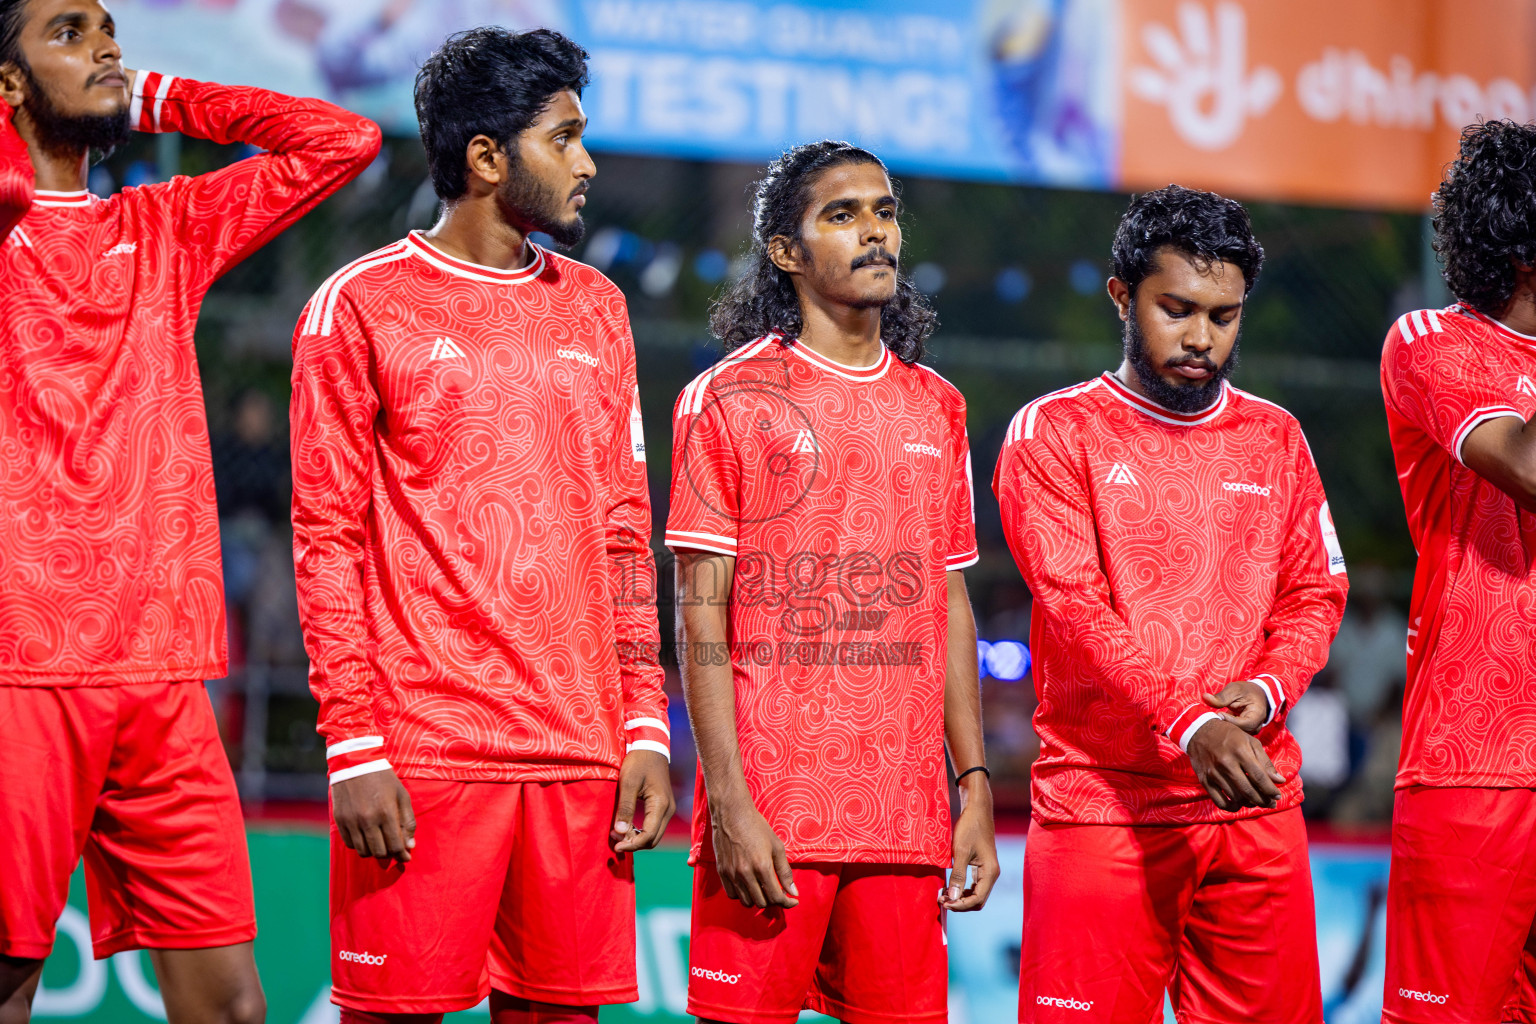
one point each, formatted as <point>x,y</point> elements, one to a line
<point>1320,723</point>
<point>1368,799</point>
<point>251,476</point>
<point>1368,655</point>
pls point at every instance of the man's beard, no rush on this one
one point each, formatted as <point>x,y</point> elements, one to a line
<point>58,132</point>
<point>1178,397</point>
<point>527,201</point>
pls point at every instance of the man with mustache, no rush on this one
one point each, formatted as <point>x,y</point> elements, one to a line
<point>822,517</point>
<point>1187,583</point>
<point>471,535</point>
<point>111,597</point>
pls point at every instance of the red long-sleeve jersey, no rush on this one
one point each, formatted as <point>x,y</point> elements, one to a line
<point>1469,714</point>
<point>1169,554</point>
<point>109,544</point>
<point>471,520</point>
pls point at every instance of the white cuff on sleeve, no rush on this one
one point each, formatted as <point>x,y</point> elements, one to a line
<point>1194,727</point>
<point>1271,687</point>
<point>366,768</point>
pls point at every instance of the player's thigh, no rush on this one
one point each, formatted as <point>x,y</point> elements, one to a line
<point>751,966</point>
<point>166,859</point>
<point>885,956</point>
<point>565,927</point>
<point>53,765</point>
<point>416,938</point>
<point>1250,944</point>
<point>1460,901</point>
<point>1104,907</point>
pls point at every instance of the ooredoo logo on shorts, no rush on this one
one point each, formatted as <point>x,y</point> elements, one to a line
<point>1065,1004</point>
<point>729,979</point>
<point>363,958</point>
<point>1422,997</point>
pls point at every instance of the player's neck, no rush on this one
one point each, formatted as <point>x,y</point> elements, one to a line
<point>1520,317</point>
<point>841,333</point>
<point>54,170</point>
<point>475,231</point>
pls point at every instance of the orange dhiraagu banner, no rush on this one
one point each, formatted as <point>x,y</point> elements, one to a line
<point>1355,102</point>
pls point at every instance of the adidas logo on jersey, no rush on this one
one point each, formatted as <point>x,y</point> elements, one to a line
<point>1120,473</point>
<point>805,441</point>
<point>922,449</point>
<point>1525,386</point>
<point>576,354</point>
<point>444,348</point>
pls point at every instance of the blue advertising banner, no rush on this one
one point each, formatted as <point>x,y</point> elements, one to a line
<point>293,947</point>
<point>1002,89</point>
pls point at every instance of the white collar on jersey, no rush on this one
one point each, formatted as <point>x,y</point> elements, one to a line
<point>1162,413</point>
<point>419,246</point>
<point>43,197</point>
<point>1495,324</point>
<point>862,374</point>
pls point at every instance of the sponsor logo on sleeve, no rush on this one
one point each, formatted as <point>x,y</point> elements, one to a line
<point>636,429</point>
<point>1330,540</point>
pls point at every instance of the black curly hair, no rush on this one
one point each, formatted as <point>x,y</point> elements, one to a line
<point>763,301</point>
<point>1485,214</point>
<point>1204,226</point>
<point>489,81</point>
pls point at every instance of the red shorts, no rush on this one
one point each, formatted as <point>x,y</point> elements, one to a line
<point>1220,915</point>
<point>133,777</point>
<point>865,945</point>
<point>1461,906</point>
<point>511,886</point>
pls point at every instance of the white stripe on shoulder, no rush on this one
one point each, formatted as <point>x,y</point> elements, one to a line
<point>693,402</point>
<point>323,305</point>
<point>1026,428</point>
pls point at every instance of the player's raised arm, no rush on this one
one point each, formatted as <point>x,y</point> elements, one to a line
<point>332,419</point>
<point>645,784</point>
<point>312,148</point>
<point>16,175</point>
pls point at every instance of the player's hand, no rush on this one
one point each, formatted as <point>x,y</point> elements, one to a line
<point>975,846</point>
<point>750,857</point>
<point>1243,703</point>
<point>1233,767</point>
<point>373,815</point>
<point>645,784</point>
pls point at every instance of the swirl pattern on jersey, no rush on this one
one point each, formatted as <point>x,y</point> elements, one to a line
<point>1168,555</point>
<point>1469,714</point>
<point>109,545</point>
<point>471,521</point>
<point>844,495</point>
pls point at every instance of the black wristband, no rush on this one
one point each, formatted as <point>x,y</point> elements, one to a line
<point>979,768</point>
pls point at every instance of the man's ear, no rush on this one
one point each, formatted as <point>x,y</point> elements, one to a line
<point>486,161</point>
<point>1120,295</point>
<point>784,254</point>
<point>13,83</point>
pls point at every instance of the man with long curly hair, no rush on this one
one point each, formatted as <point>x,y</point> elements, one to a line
<point>821,515</point>
<point>1460,388</point>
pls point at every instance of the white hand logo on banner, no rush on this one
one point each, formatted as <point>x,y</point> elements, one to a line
<point>1203,77</point>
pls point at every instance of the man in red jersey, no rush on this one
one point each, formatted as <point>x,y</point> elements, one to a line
<point>111,601</point>
<point>821,515</point>
<point>471,531</point>
<point>1460,389</point>
<point>1187,583</point>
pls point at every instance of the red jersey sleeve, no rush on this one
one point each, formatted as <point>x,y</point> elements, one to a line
<point>706,476</point>
<point>332,415</point>
<point>1048,520</point>
<point>312,149</point>
<point>632,567</point>
<point>962,550</point>
<point>1438,382</point>
<point>16,178</point>
<point>1309,594</point>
